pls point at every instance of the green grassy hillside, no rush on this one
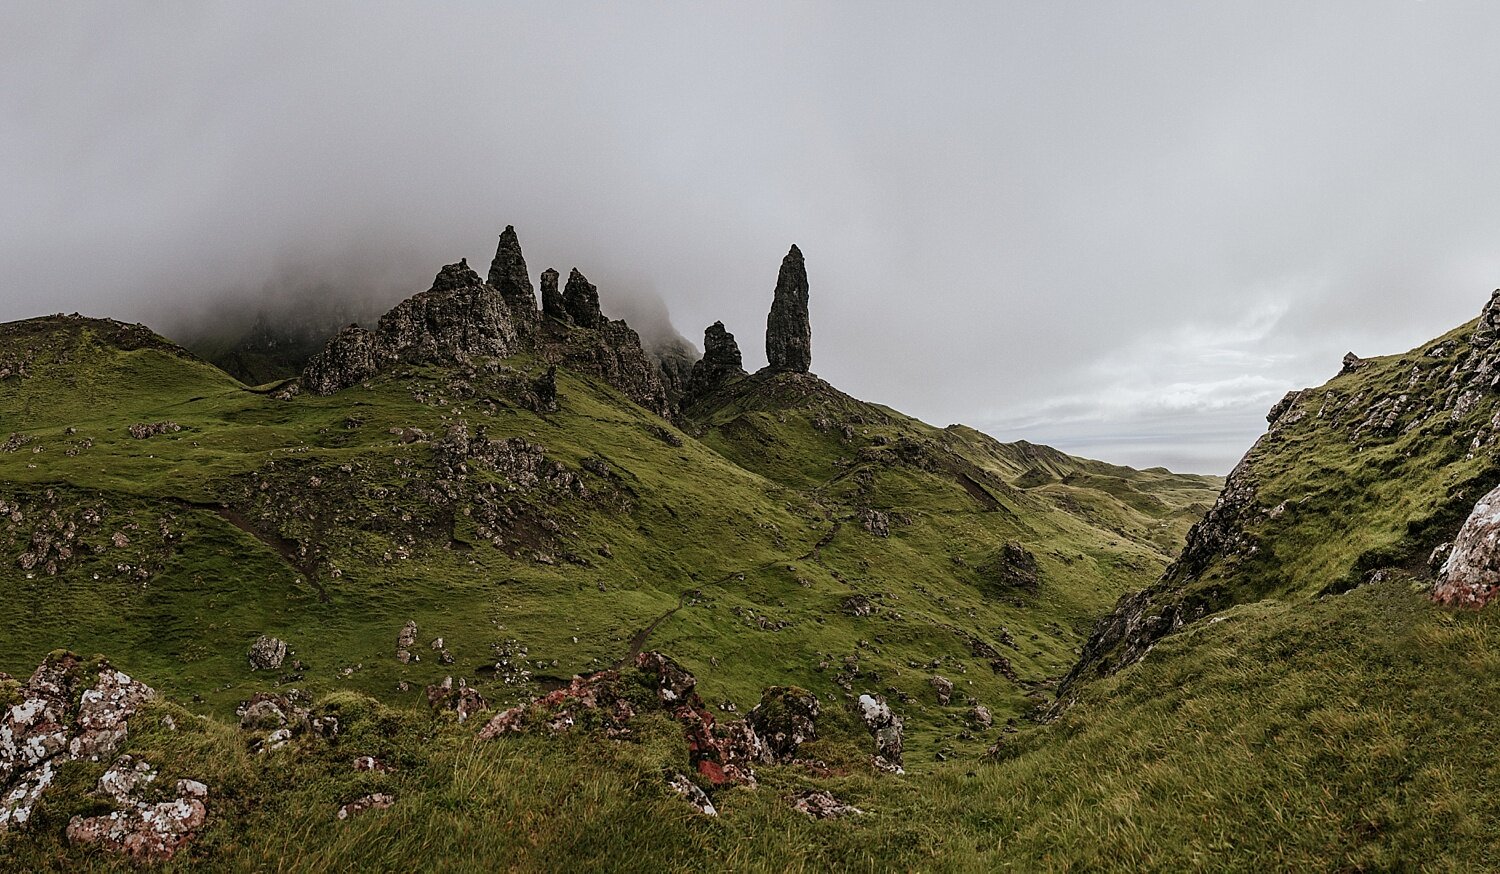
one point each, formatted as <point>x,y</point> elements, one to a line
<point>331,521</point>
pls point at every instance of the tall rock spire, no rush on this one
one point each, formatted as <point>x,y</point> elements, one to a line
<point>508,274</point>
<point>582,301</point>
<point>788,329</point>
<point>552,299</point>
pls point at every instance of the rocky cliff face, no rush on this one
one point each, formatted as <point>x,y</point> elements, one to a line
<point>721,363</point>
<point>1373,474</point>
<point>675,358</point>
<point>788,328</point>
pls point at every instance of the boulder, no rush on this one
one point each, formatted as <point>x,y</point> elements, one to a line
<point>1470,576</point>
<point>693,794</point>
<point>267,653</point>
<point>943,687</point>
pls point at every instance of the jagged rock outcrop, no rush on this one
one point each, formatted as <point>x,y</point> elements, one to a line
<point>721,363</point>
<point>1446,392</point>
<point>459,317</point>
<point>350,358</point>
<point>463,317</point>
<point>675,358</point>
<point>68,710</point>
<point>553,304</point>
<point>1470,577</point>
<point>508,276</point>
<point>614,353</point>
<point>581,299</point>
<point>1140,619</point>
<point>1488,329</point>
<point>788,327</point>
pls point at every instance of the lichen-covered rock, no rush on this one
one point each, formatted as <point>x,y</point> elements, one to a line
<point>143,830</point>
<point>463,699</point>
<point>784,720</point>
<point>373,801</point>
<point>267,653</point>
<point>821,805</point>
<point>980,717</point>
<point>68,710</point>
<point>693,793</point>
<point>581,299</point>
<point>886,728</point>
<point>1470,576</point>
<point>788,327</point>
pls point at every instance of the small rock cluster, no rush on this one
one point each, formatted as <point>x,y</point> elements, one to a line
<point>144,830</point>
<point>406,641</point>
<point>722,753</point>
<point>69,709</point>
<point>142,431</point>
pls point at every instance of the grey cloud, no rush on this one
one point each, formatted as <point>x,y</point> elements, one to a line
<point>1063,222</point>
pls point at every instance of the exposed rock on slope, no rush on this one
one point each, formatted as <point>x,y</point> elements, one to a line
<point>463,317</point>
<point>788,328</point>
<point>1471,575</point>
<point>721,363</point>
<point>458,317</point>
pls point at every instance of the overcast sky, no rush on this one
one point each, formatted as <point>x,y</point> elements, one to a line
<point>1125,229</point>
